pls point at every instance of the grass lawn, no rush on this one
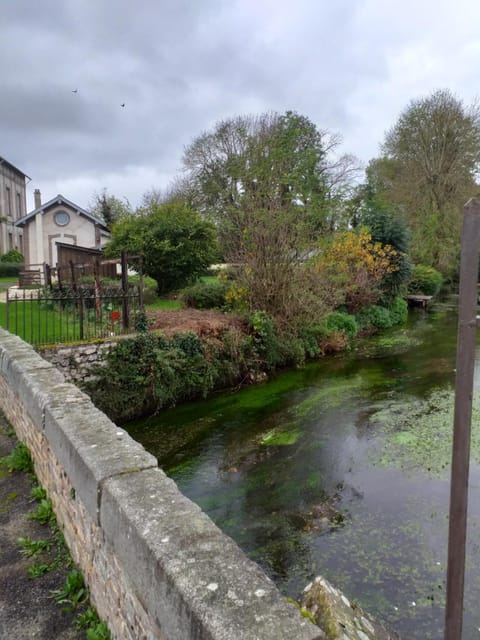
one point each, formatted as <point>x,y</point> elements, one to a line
<point>164,304</point>
<point>7,281</point>
<point>39,326</point>
<point>208,279</point>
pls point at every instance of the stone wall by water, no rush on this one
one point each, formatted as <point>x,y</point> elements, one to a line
<point>156,566</point>
<point>76,361</point>
<point>132,532</point>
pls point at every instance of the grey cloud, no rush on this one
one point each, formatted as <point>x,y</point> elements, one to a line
<point>181,65</point>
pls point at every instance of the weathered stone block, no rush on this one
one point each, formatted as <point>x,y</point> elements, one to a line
<point>90,447</point>
<point>194,580</point>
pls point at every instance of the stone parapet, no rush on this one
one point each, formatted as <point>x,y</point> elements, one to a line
<point>156,566</point>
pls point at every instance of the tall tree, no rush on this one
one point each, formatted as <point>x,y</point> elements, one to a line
<point>431,158</point>
<point>269,162</point>
<point>109,208</point>
<point>176,244</point>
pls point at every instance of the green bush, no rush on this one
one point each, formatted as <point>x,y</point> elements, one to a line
<point>311,337</point>
<point>149,372</point>
<point>266,340</point>
<point>10,270</point>
<point>425,281</point>
<point>341,322</point>
<point>176,243</point>
<point>375,316</point>
<point>149,288</point>
<point>398,311</point>
<point>205,295</point>
<point>12,257</point>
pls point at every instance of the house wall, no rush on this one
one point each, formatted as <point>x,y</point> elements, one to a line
<point>12,207</point>
<point>44,232</point>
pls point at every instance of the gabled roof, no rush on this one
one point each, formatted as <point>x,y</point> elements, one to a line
<point>12,166</point>
<point>59,199</point>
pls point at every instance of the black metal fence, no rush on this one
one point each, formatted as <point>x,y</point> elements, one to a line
<point>53,315</point>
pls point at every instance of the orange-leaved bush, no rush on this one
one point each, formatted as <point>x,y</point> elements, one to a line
<point>356,265</point>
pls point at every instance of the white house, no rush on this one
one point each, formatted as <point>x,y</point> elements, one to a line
<point>58,220</point>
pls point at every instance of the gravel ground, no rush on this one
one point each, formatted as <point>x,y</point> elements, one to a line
<point>26,608</point>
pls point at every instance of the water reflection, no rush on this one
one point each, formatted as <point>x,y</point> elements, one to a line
<point>341,469</point>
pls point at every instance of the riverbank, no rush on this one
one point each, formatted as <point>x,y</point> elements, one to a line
<point>160,368</point>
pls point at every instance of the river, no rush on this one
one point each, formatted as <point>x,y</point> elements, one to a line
<point>340,468</point>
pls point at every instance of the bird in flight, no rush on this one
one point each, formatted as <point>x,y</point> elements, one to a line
<point>74,90</point>
<point>123,104</point>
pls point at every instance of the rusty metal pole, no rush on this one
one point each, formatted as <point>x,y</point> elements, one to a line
<point>467,324</point>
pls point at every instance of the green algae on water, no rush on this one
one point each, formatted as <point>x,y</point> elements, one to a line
<point>281,437</point>
<point>417,434</point>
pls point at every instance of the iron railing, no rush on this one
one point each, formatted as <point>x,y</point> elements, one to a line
<point>53,315</point>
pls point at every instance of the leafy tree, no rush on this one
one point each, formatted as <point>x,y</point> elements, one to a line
<point>176,244</point>
<point>275,274</point>
<point>431,158</point>
<point>109,208</point>
<point>269,162</point>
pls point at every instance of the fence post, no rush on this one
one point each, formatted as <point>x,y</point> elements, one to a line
<point>125,313</point>
<point>467,324</point>
<point>7,313</point>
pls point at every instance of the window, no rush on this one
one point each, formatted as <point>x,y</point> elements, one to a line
<point>19,205</point>
<point>10,241</point>
<point>9,201</point>
<point>62,218</point>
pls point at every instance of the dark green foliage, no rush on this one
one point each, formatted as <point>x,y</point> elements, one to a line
<point>375,317</point>
<point>311,337</point>
<point>12,257</point>
<point>96,629</point>
<point>341,322</point>
<point>425,280</point>
<point>266,341</point>
<point>148,372</point>
<point>398,311</point>
<point>390,229</point>
<point>8,269</point>
<point>205,295</point>
<point>19,459</point>
<point>73,593</point>
<point>44,513</point>
<point>177,245</point>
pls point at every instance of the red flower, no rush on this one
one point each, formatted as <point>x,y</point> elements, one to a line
<point>115,315</point>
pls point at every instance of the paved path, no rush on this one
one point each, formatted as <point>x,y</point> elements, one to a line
<point>26,608</point>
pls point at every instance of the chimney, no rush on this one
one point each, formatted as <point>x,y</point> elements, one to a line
<point>37,198</point>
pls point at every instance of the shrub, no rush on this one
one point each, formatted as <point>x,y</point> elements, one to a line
<point>266,340</point>
<point>176,243</point>
<point>341,322</point>
<point>149,288</point>
<point>398,311</point>
<point>205,295</point>
<point>12,257</point>
<point>10,270</point>
<point>375,316</point>
<point>312,337</point>
<point>149,372</point>
<point>426,281</point>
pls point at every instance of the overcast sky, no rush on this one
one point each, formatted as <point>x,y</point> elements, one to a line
<point>179,66</point>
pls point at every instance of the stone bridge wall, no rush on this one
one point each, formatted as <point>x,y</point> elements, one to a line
<point>156,566</point>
